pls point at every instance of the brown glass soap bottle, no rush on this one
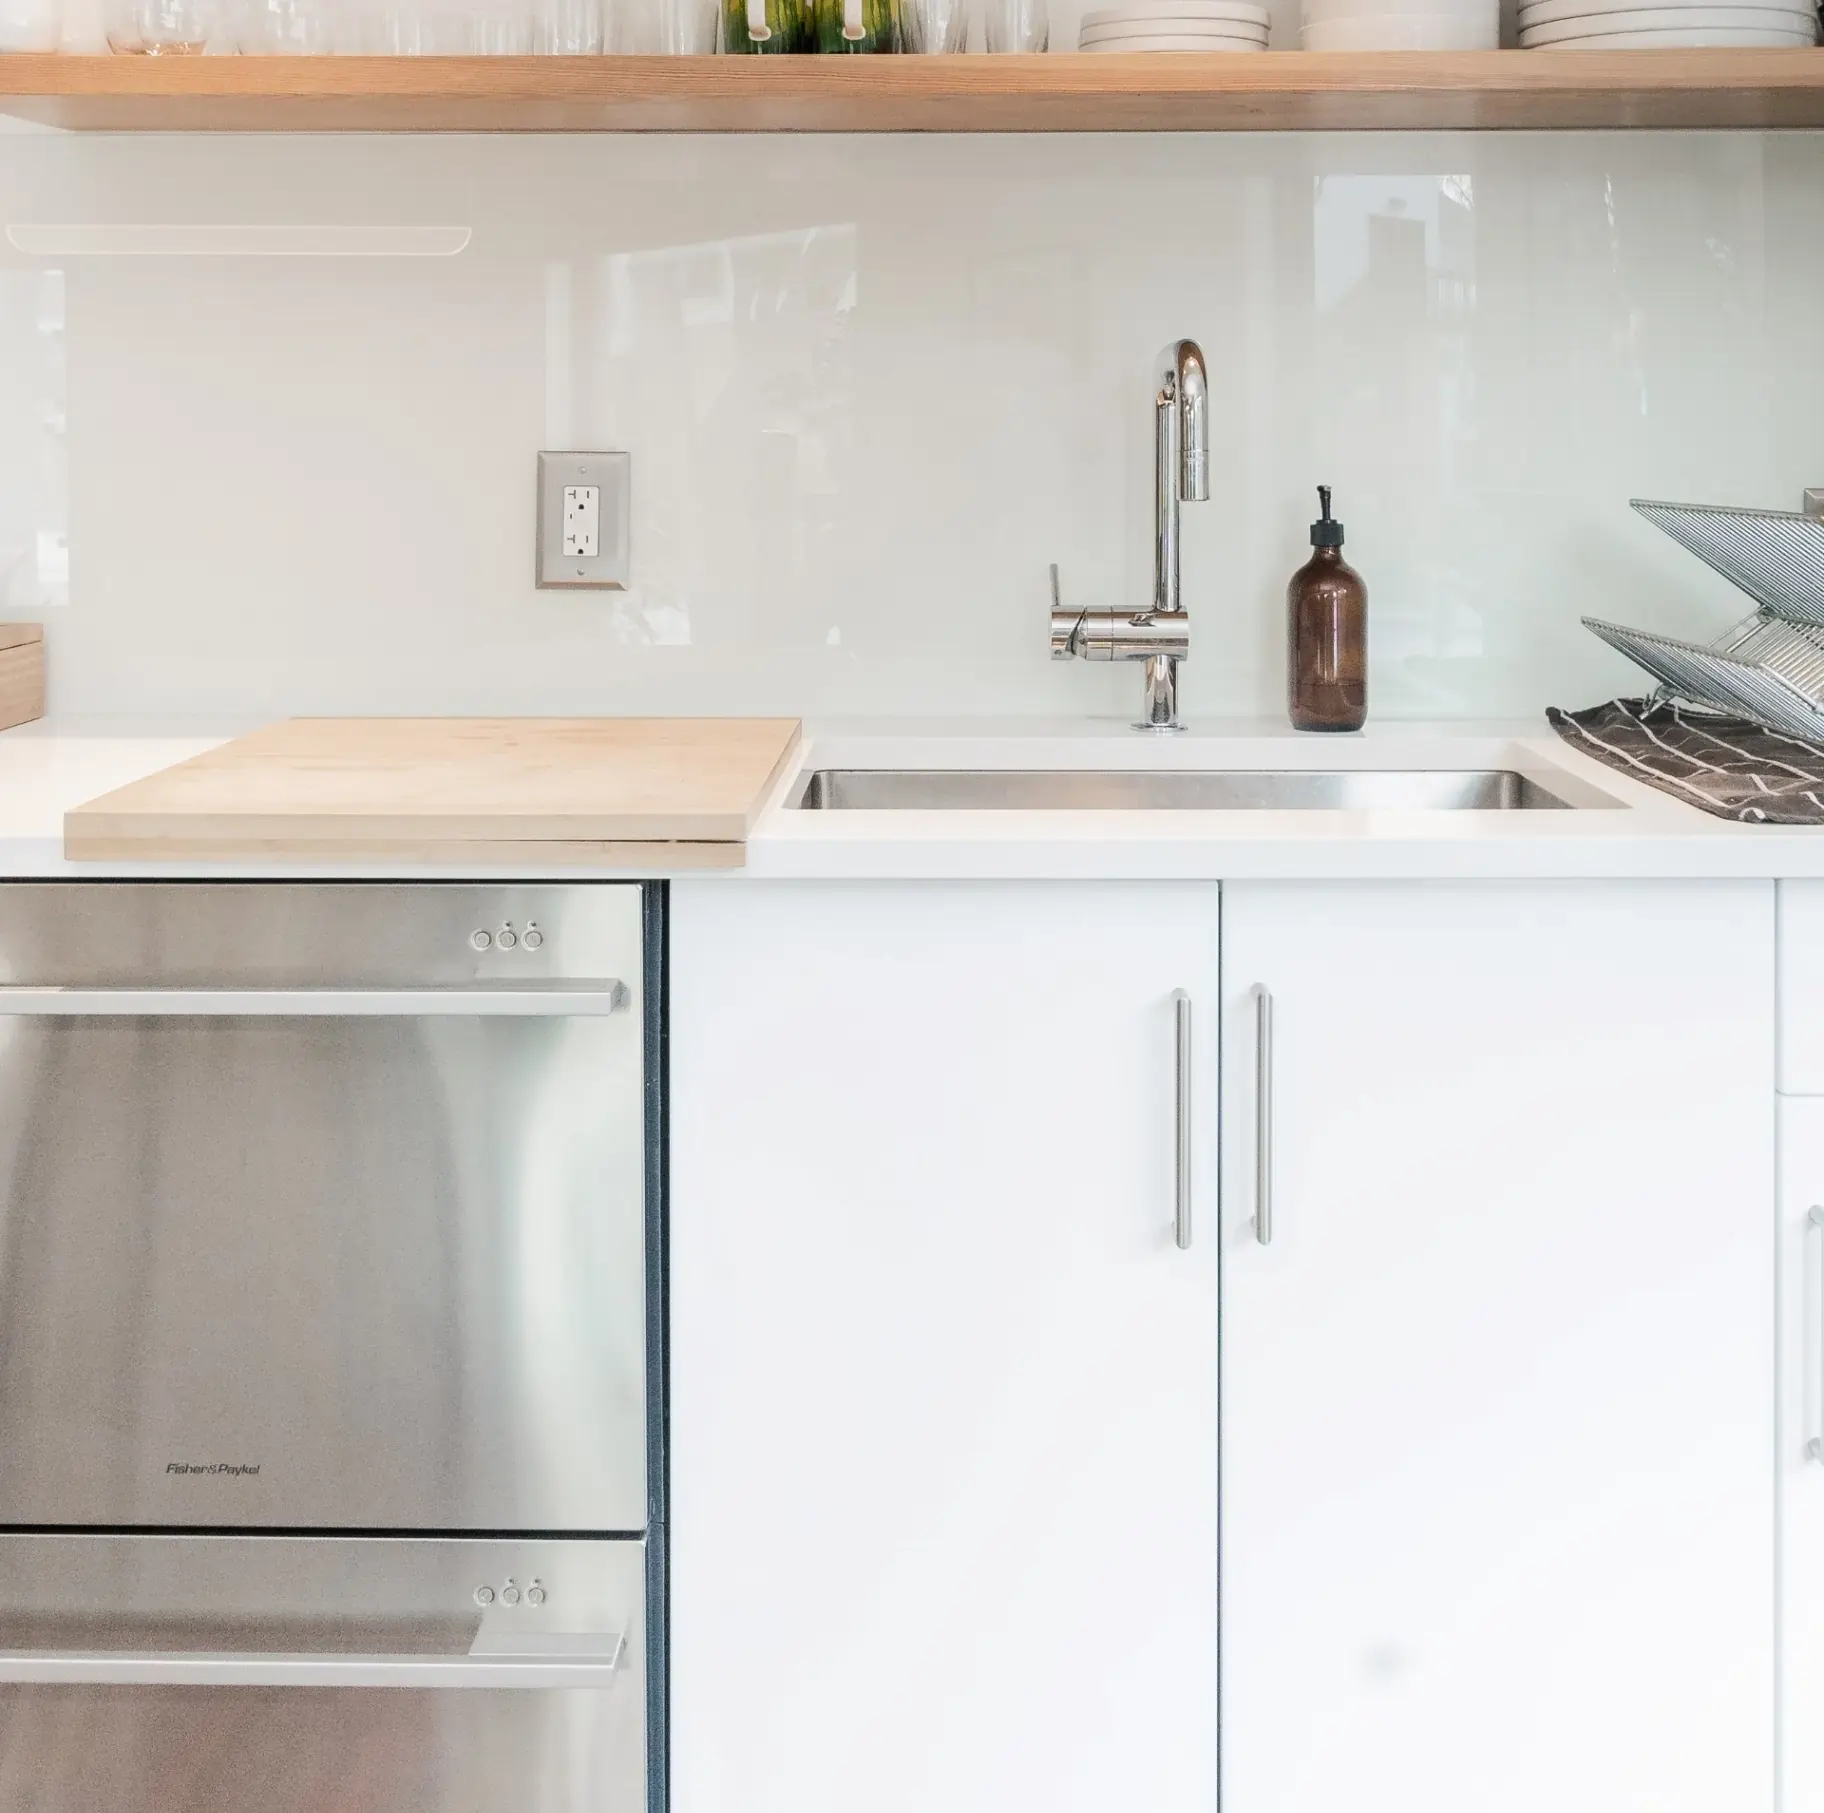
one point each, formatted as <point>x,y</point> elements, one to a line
<point>1327,634</point>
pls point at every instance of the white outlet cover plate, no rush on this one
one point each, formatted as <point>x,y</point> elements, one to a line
<point>612,475</point>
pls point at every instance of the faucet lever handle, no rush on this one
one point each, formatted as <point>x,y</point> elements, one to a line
<point>1067,638</point>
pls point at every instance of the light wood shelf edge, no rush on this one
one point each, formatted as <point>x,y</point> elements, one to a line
<point>1503,90</point>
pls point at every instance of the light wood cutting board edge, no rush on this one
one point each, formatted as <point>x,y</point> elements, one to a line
<point>639,857</point>
<point>93,833</point>
<point>21,675</point>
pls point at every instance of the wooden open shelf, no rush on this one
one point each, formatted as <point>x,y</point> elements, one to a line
<point>1277,92</point>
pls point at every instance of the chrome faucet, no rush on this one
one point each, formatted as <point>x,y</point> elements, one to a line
<point>1160,635</point>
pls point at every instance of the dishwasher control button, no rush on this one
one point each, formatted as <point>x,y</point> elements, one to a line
<point>535,1594</point>
<point>480,940</point>
<point>509,1594</point>
<point>533,939</point>
<point>506,938</point>
<point>484,1595</point>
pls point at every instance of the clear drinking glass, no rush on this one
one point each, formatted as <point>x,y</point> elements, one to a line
<point>567,28</point>
<point>162,28</point>
<point>501,28</point>
<point>30,24</point>
<point>301,28</point>
<point>402,30</point>
<point>662,28</point>
<point>1015,25</point>
<point>424,28</point>
<point>355,28</point>
<point>934,27</point>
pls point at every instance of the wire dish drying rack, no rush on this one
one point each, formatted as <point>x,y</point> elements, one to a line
<point>1769,667</point>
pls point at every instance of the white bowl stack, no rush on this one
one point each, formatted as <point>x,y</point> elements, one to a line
<point>1667,24</point>
<point>1401,25</point>
<point>1182,25</point>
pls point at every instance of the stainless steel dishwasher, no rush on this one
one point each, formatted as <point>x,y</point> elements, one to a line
<point>331,1348</point>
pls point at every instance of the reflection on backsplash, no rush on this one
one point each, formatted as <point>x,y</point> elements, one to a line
<point>732,358</point>
<point>34,548</point>
<point>872,387</point>
<point>1394,260</point>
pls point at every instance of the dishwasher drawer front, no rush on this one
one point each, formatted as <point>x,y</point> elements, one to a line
<point>309,1750</point>
<point>335,1266</point>
<point>269,1674</point>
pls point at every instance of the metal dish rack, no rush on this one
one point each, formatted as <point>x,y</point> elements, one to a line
<point>1770,666</point>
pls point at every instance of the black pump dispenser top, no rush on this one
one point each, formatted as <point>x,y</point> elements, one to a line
<point>1327,533</point>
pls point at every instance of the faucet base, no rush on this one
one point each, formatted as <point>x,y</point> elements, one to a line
<point>1161,698</point>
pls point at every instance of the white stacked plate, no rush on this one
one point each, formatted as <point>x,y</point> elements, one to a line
<point>1183,25</point>
<point>1667,24</point>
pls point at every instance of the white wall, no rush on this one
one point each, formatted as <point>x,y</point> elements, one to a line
<point>871,387</point>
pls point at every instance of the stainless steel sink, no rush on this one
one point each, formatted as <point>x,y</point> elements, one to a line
<point>1223,790</point>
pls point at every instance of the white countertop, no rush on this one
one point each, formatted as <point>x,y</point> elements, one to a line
<point>48,767</point>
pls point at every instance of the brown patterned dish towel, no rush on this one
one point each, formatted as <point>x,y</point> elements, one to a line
<point>1731,767</point>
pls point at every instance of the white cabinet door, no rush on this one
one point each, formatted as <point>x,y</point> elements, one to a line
<point>1497,1502</point>
<point>944,1389</point>
<point>1802,1469</point>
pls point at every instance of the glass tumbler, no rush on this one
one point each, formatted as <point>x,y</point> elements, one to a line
<point>662,28</point>
<point>845,26</point>
<point>501,28</point>
<point>934,27</point>
<point>162,28</point>
<point>301,28</point>
<point>567,28</point>
<point>423,28</point>
<point>1015,25</point>
<point>355,28</point>
<point>30,24</point>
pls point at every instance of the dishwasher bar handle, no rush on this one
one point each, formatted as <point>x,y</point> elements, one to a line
<point>592,1663</point>
<point>517,999</point>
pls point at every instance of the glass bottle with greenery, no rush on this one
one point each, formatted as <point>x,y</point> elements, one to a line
<point>757,28</point>
<point>856,25</point>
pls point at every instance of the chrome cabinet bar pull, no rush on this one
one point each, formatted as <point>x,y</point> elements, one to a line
<point>1814,1227</point>
<point>1181,1130</point>
<point>1263,1114</point>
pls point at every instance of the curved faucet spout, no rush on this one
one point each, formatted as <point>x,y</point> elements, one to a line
<point>1183,378</point>
<point>1182,473</point>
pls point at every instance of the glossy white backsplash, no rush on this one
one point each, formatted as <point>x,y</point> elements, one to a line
<point>871,388</point>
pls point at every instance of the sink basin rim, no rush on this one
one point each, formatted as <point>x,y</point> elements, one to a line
<point>834,787</point>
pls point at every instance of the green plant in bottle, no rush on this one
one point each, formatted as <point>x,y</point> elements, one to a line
<point>856,25</point>
<point>766,27</point>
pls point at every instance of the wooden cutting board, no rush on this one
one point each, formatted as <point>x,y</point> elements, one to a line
<point>631,792</point>
<point>21,673</point>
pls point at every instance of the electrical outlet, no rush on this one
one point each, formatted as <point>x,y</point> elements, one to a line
<point>583,511</point>
<point>582,521</point>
